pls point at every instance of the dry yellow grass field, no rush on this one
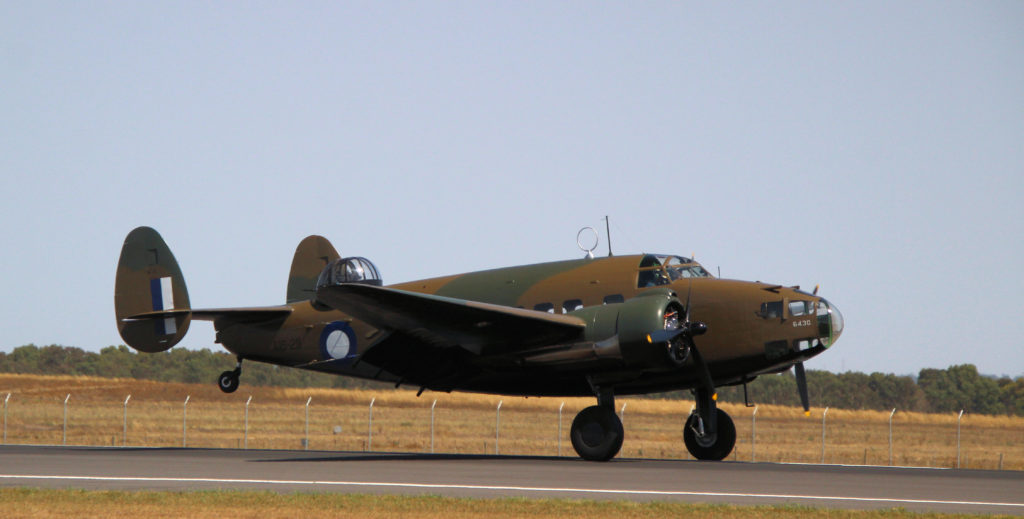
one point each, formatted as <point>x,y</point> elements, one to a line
<point>465,423</point>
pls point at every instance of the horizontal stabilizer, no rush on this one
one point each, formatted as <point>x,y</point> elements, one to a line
<point>243,315</point>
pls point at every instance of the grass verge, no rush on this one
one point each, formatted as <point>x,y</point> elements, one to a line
<point>44,503</point>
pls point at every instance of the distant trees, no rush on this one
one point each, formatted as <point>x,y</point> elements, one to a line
<point>961,387</point>
<point>176,365</point>
<point>935,390</point>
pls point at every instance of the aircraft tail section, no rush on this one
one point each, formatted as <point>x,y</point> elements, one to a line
<point>311,256</point>
<point>150,298</point>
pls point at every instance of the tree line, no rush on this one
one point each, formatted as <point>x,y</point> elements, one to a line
<point>175,365</point>
<point>933,390</point>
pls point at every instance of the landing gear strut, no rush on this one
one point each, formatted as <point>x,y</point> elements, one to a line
<point>229,380</point>
<point>597,431</point>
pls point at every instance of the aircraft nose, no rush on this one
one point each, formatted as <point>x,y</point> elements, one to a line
<point>830,322</point>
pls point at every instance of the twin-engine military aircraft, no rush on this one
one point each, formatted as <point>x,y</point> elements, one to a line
<point>594,326</point>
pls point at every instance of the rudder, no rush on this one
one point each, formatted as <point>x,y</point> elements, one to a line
<point>311,256</point>
<point>149,281</point>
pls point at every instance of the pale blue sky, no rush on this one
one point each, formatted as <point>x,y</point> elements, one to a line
<point>876,148</point>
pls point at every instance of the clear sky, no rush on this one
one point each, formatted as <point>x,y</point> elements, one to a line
<point>874,148</point>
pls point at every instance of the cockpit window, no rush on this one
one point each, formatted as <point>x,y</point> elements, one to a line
<point>650,260</point>
<point>693,271</point>
<point>661,269</point>
<point>798,308</point>
<point>652,277</point>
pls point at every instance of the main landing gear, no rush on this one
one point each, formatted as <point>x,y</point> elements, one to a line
<point>229,380</point>
<point>709,433</point>
<point>597,431</point>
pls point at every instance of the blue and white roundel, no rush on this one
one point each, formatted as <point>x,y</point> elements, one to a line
<point>338,341</point>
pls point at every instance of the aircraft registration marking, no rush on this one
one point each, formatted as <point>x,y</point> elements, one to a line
<point>597,491</point>
<point>802,322</point>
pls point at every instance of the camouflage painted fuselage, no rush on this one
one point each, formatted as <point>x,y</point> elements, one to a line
<point>753,328</point>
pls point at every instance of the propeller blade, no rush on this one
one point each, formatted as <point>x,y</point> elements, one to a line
<point>698,359</point>
<point>665,335</point>
<point>686,319</point>
<point>801,386</point>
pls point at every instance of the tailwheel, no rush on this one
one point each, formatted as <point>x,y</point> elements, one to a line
<point>228,381</point>
<point>597,433</point>
<point>710,446</point>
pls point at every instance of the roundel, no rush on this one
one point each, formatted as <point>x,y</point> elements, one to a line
<point>338,341</point>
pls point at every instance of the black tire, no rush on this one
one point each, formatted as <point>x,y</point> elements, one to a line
<point>597,433</point>
<point>711,448</point>
<point>228,381</point>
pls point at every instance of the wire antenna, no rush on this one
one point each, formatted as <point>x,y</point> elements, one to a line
<point>608,232</point>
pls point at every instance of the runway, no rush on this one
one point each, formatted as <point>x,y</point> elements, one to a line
<point>738,483</point>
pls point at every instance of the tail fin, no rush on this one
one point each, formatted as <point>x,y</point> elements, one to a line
<point>311,256</point>
<point>150,298</point>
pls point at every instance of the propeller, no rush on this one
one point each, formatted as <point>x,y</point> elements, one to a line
<point>801,386</point>
<point>688,330</point>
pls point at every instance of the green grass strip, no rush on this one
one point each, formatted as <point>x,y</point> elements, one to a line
<point>221,504</point>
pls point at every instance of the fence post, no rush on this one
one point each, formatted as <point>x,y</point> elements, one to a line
<point>890,435</point>
<point>124,435</point>
<point>65,440</point>
<point>245,434</point>
<point>560,427</point>
<point>306,441</point>
<point>497,426</point>
<point>432,406</point>
<point>823,415</point>
<point>753,434</point>
<point>622,414</point>
<point>958,438</point>
<point>184,422</point>
<point>5,416</point>
<point>369,430</point>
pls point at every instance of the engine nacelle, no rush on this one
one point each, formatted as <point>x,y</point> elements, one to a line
<point>631,322</point>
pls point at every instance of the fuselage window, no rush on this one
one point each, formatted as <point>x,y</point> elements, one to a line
<point>614,298</point>
<point>571,305</point>
<point>805,344</point>
<point>545,307</point>
<point>771,310</point>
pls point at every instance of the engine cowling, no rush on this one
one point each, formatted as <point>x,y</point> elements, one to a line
<point>631,322</point>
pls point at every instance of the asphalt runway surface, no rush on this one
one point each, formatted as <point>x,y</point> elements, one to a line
<point>111,468</point>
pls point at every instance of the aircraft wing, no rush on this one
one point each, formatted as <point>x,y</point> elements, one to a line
<point>444,322</point>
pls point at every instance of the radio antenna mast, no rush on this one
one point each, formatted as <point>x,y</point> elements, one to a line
<point>608,232</point>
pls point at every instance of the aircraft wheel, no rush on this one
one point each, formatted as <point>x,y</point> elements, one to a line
<point>228,381</point>
<point>710,447</point>
<point>597,433</point>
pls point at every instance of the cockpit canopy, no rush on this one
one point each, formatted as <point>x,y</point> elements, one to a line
<point>661,269</point>
<point>349,270</point>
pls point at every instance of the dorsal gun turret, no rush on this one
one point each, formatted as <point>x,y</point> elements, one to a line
<point>349,270</point>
